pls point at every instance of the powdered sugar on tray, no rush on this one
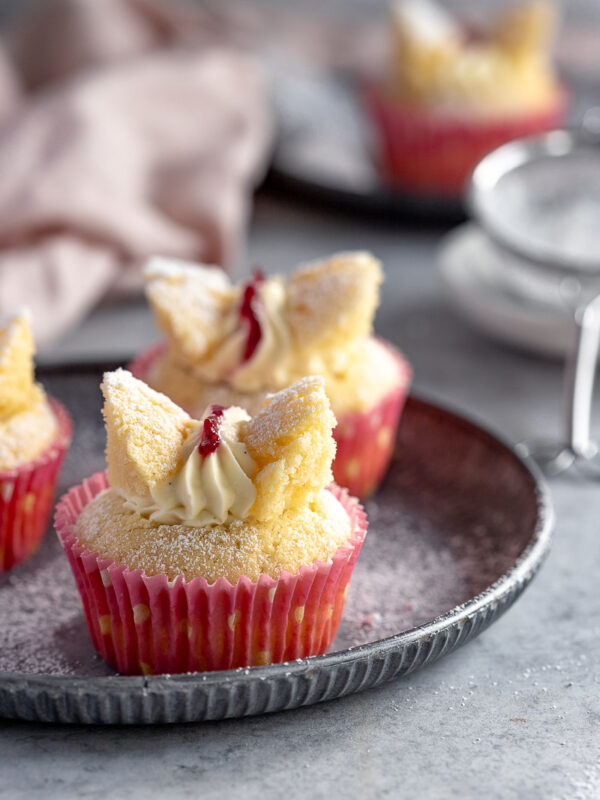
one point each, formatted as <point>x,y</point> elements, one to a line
<point>452,516</point>
<point>440,530</point>
<point>43,630</point>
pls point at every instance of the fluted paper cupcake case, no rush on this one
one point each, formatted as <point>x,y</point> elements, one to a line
<point>365,439</point>
<point>26,494</point>
<point>144,624</point>
<point>433,152</point>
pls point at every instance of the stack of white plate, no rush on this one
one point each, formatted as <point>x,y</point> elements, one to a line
<point>500,298</point>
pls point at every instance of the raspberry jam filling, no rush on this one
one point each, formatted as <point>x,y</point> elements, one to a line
<point>248,312</point>
<point>211,438</point>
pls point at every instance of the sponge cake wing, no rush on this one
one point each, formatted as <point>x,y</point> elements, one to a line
<point>145,432</point>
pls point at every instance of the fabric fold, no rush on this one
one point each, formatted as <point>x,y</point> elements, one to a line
<point>125,144</point>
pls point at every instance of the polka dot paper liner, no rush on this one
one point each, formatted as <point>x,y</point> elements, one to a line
<point>433,153</point>
<point>365,439</point>
<point>26,495</point>
<point>141,365</point>
<point>143,624</point>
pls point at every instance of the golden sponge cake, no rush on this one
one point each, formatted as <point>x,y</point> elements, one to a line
<point>332,302</point>
<point>27,424</point>
<point>284,453</point>
<point>34,434</point>
<point>291,442</point>
<point>144,433</point>
<point>17,387</point>
<point>234,344</point>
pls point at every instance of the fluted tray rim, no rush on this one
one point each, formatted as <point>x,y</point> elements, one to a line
<point>516,578</point>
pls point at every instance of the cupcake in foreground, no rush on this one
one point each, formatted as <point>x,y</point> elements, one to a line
<point>35,432</point>
<point>212,543</point>
<point>234,344</point>
<point>451,95</point>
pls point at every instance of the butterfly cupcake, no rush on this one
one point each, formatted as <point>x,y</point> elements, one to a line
<point>35,431</point>
<point>234,344</point>
<point>216,542</point>
<point>451,94</point>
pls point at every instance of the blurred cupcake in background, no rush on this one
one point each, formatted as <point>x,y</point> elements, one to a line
<point>35,432</point>
<point>451,94</point>
<point>234,344</point>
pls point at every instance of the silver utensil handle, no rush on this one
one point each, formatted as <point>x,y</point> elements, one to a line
<point>579,377</point>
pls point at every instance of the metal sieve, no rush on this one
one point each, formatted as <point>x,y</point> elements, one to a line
<point>538,199</point>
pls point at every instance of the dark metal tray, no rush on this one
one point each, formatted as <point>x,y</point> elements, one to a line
<point>457,531</point>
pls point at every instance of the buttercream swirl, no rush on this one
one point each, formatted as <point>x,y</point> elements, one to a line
<point>206,490</point>
<point>269,364</point>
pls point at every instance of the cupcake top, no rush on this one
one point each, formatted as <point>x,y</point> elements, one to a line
<point>223,496</point>
<point>438,63</point>
<point>265,333</point>
<point>27,423</point>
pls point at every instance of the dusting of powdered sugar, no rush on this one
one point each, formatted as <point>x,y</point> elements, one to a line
<point>209,276</point>
<point>552,205</point>
<point>452,516</point>
<point>43,629</point>
<point>8,323</point>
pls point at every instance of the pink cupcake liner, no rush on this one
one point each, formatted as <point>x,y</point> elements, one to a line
<point>365,439</point>
<point>26,494</point>
<point>144,624</point>
<point>141,364</point>
<point>435,153</point>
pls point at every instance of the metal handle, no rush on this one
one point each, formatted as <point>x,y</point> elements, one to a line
<point>579,379</point>
<point>590,125</point>
<point>577,448</point>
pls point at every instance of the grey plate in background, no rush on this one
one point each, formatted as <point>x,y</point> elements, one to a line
<point>481,286</point>
<point>456,533</point>
<point>325,151</point>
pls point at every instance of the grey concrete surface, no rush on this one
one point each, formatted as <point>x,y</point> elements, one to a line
<point>515,714</point>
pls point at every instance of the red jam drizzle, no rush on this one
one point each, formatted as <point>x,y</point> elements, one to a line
<point>248,312</point>
<point>211,438</point>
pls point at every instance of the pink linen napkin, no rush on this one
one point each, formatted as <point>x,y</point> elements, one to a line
<point>117,142</point>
